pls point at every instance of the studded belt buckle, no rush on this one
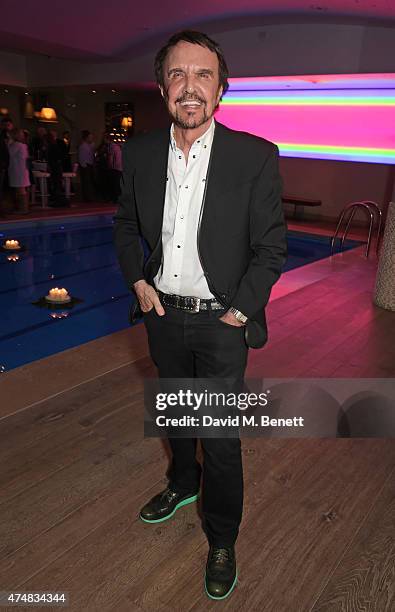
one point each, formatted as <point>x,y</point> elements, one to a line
<point>195,304</point>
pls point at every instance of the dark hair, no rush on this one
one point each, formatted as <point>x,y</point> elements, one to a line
<point>85,134</point>
<point>196,38</point>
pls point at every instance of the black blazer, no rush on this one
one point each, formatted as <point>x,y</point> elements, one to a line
<point>241,233</point>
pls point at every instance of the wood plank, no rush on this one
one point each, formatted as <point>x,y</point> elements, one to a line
<point>103,564</point>
<point>123,550</point>
<point>368,353</point>
<point>24,386</point>
<point>72,443</point>
<point>303,348</point>
<point>24,517</point>
<point>364,576</point>
<point>126,488</point>
<point>336,276</point>
<point>48,418</point>
<point>305,317</point>
<point>290,541</point>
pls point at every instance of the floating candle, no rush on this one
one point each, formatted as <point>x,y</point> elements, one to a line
<point>58,295</point>
<point>11,244</point>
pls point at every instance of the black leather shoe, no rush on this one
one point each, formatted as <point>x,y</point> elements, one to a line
<point>163,505</point>
<point>221,572</point>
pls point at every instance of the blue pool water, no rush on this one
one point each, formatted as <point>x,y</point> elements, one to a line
<point>80,256</point>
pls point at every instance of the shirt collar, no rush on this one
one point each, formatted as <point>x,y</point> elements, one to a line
<point>204,139</point>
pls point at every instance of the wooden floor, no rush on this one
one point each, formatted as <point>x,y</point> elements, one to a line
<point>318,530</point>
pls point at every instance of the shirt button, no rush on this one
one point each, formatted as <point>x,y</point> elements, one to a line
<point>179,157</point>
<point>186,186</point>
<point>194,156</point>
<point>181,216</point>
<point>176,275</point>
<point>178,246</point>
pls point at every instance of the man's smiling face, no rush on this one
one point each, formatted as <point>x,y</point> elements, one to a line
<point>191,84</point>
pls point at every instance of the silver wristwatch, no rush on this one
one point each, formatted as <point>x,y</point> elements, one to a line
<point>239,315</point>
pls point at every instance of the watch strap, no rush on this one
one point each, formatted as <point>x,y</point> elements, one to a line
<point>239,315</point>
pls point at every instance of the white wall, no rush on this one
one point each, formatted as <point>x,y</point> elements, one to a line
<point>293,49</point>
<point>276,49</point>
<point>335,183</point>
<point>13,69</point>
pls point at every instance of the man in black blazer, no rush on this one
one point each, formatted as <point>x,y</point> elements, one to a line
<point>207,200</point>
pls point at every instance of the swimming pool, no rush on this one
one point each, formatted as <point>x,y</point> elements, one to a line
<point>78,255</point>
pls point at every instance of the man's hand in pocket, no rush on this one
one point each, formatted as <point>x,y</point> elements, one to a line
<point>147,297</point>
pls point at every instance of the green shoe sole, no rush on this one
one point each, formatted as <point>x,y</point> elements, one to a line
<point>184,502</point>
<point>223,596</point>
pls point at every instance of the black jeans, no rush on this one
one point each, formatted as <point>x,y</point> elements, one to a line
<point>188,345</point>
<point>87,178</point>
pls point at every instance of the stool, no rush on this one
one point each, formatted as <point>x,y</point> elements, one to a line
<point>67,176</point>
<point>40,179</point>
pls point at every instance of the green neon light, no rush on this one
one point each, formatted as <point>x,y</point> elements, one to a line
<point>315,148</point>
<point>309,101</point>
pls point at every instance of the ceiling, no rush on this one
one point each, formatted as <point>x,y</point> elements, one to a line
<point>99,30</point>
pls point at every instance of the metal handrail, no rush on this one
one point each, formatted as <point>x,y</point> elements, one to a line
<point>378,210</point>
<point>351,209</point>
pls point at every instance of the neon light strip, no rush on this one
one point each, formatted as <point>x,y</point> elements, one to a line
<point>314,82</point>
<point>285,147</point>
<point>349,117</point>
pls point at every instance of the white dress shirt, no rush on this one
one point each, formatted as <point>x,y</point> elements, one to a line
<point>181,272</point>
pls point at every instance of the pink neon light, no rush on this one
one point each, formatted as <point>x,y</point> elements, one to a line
<point>341,126</point>
<point>372,80</point>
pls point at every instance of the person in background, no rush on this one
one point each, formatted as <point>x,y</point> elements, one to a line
<point>29,162</point>
<point>4,159</point>
<point>55,159</point>
<point>39,145</point>
<point>18,172</point>
<point>102,167</point>
<point>64,145</point>
<point>86,159</point>
<point>6,127</point>
<point>115,170</point>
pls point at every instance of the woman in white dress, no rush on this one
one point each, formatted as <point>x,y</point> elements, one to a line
<point>18,172</point>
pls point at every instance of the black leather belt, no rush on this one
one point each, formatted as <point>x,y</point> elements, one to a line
<point>189,303</point>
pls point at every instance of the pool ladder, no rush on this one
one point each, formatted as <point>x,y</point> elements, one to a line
<point>373,210</point>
